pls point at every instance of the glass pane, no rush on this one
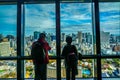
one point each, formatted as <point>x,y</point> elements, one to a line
<point>110,68</point>
<point>110,28</point>
<point>110,78</point>
<point>8,69</point>
<point>86,69</point>
<point>29,69</point>
<point>8,30</point>
<point>40,18</point>
<point>76,21</point>
<point>51,69</point>
<point>75,0</point>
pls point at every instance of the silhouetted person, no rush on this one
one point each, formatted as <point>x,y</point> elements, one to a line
<point>70,54</point>
<point>40,64</point>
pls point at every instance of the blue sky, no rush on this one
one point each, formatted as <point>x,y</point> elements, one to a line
<point>74,17</point>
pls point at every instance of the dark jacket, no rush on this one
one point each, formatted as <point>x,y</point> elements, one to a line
<point>67,50</point>
<point>68,64</point>
<point>45,46</point>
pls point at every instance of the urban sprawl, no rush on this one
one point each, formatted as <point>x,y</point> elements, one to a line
<point>85,43</point>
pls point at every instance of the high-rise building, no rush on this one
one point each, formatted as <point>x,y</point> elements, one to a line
<point>105,37</point>
<point>5,49</point>
<point>49,38</point>
<point>79,37</point>
<point>53,37</point>
<point>63,37</point>
<point>89,38</point>
<point>36,35</point>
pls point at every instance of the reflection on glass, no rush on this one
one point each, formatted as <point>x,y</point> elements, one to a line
<point>8,69</point>
<point>110,67</point>
<point>29,69</point>
<point>40,18</point>
<point>110,28</point>
<point>85,69</point>
<point>77,22</point>
<point>8,30</point>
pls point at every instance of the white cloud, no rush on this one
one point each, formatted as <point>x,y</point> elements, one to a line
<point>105,7</point>
<point>40,16</point>
<point>75,12</point>
<point>110,26</point>
<point>86,27</point>
<point>81,17</point>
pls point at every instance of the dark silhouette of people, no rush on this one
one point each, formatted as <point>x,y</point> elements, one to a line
<point>70,54</point>
<point>41,68</point>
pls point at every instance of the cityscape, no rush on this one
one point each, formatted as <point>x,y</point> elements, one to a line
<point>77,21</point>
<point>110,45</point>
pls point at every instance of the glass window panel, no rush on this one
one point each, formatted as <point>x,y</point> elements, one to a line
<point>40,18</point>
<point>110,28</point>
<point>29,69</point>
<point>75,0</point>
<point>110,78</point>
<point>8,69</point>
<point>76,21</point>
<point>8,30</point>
<point>86,69</point>
<point>110,68</point>
<point>51,69</point>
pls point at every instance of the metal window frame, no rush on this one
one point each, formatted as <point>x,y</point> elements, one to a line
<point>20,47</point>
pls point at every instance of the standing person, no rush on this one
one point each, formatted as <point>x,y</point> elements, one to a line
<point>70,54</point>
<point>39,59</point>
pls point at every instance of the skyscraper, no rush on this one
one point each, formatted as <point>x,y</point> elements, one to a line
<point>63,37</point>
<point>105,37</point>
<point>79,37</point>
<point>36,35</point>
<point>5,49</point>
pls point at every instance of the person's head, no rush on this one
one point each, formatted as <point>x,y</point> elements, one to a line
<point>69,39</point>
<point>42,35</point>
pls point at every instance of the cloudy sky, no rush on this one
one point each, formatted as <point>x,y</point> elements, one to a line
<point>74,17</point>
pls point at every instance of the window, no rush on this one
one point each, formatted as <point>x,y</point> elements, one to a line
<point>8,69</point>
<point>8,22</point>
<point>110,28</point>
<point>110,67</point>
<point>77,22</point>
<point>40,18</point>
<point>21,21</point>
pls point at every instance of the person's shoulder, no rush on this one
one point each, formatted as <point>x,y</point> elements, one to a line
<point>65,46</point>
<point>73,46</point>
<point>35,42</point>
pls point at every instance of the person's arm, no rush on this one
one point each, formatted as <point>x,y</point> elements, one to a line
<point>48,47</point>
<point>75,50</point>
<point>32,52</point>
<point>63,52</point>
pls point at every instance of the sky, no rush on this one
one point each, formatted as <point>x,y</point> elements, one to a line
<point>74,17</point>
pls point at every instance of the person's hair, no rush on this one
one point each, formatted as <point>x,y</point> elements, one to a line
<point>68,39</point>
<point>42,35</point>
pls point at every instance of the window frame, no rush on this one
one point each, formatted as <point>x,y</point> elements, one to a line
<point>20,40</point>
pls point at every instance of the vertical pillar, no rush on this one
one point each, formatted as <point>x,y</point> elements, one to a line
<point>98,46</point>
<point>20,66</point>
<point>58,39</point>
